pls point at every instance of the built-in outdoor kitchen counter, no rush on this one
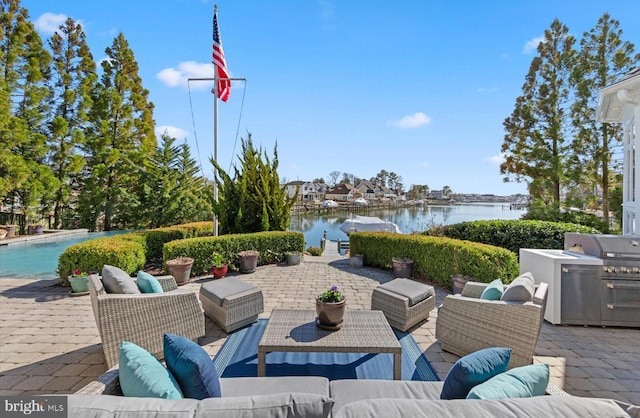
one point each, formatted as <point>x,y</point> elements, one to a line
<point>594,281</point>
<point>575,277</point>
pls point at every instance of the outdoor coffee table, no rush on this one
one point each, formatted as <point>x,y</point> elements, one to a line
<point>295,330</point>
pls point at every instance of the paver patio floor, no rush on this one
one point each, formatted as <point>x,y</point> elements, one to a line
<point>49,342</point>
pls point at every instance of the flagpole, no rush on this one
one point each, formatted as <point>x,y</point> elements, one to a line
<point>215,140</point>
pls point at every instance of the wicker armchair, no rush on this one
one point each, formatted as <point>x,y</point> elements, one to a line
<point>466,323</point>
<point>144,318</point>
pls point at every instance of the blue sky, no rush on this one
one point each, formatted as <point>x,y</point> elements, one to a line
<point>419,88</point>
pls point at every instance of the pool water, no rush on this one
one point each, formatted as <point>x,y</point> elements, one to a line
<point>39,260</point>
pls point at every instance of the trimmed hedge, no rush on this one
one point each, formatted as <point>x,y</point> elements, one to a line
<point>125,251</point>
<point>130,252</point>
<point>272,247</point>
<point>436,258</point>
<point>515,234</point>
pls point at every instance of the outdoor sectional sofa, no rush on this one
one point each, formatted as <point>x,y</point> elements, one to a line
<point>312,396</point>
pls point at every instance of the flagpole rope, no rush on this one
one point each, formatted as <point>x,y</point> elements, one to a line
<point>244,92</point>
<point>193,123</point>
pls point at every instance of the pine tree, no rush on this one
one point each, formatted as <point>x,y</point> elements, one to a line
<point>534,145</point>
<point>121,139</point>
<point>73,79</point>
<point>253,200</point>
<point>604,57</point>
<point>24,70</point>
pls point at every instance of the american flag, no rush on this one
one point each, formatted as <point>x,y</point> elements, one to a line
<point>224,84</point>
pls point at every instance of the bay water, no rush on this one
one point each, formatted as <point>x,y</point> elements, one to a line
<point>38,260</point>
<point>409,218</point>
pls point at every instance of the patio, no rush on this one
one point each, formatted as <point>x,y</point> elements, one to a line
<point>49,342</point>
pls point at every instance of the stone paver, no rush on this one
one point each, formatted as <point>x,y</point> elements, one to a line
<point>49,342</point>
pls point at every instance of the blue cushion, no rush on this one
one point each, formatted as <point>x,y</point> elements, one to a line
<point>192,367</point>
<point>520,382</point>
<point>473,369</point>
<point>493,291</point>
<point>148,284</point>
<point>142,375</point>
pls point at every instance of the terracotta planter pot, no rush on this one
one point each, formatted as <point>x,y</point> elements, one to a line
<point>293,259</point>
<point>248,261</point>
<point>330,315</point>
<point>220,272</point>
<point>11,230</point>
<point>402,267</point>
<point>457,282</point>
<point>3,233</point>
<point>356,260</point>
<point>180,269</point>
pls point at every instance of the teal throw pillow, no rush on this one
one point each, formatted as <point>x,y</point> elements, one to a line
<point>192,367</point>
<point>473,369</point>
<point>143,376</point>
<point>493,291</point>
<point>520,382</point>
<point>148,284</point>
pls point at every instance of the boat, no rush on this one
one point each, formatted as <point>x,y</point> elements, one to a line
<point>356,223</point>
<point>361,202</point>
<point>330,204</point>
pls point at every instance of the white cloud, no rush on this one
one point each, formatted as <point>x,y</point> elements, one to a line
<point>177,133</point>
<point>496,159</point>
<point>487,89</point>
<point>411,121</point>
<point>174,77</point>
<point>49,22</point>
<point>532,45</point>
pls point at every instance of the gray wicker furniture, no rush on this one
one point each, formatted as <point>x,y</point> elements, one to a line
<point>144,318</point>
<point>295,330</point>
<point>404,302</point>
<point>232,303</point>
<point>466,323</point>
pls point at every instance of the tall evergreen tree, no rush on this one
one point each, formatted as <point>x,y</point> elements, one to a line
<point>173,191</point>
<point>253,199</point>
<point>121,139</point>
<point>73,80</point>
<point>604,57</point>
<point>534,145</point>
<point>24,70</point>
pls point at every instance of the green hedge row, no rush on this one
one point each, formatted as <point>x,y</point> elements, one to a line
<point>514,234</point>
<point>130,252</point>
<point>436,258</point>
<point>271,245</point>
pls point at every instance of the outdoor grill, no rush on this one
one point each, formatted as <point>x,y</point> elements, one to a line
<point>607,294</point>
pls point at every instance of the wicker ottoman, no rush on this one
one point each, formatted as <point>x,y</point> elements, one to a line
<point>232,303</point>
<point>404,302</point>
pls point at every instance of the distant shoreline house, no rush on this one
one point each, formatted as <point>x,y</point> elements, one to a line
<point>620,103</point>
<point>307,191</point>
<point>343,192</point>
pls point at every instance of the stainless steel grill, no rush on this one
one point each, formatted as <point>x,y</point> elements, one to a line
<point>614,289</point>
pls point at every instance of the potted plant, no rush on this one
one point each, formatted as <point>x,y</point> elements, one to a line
<point>35,229</point>
<point>248,260</point>
<point>356,260</point>
<point>79,281</point>
<point>220,268</point>
<point>11,230</point>
<point>402,267</point>
<point>330,307</point>
<point>180,269</point>
<point>293,257</point>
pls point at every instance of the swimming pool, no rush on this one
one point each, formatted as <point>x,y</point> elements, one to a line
<point>39,260</point>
